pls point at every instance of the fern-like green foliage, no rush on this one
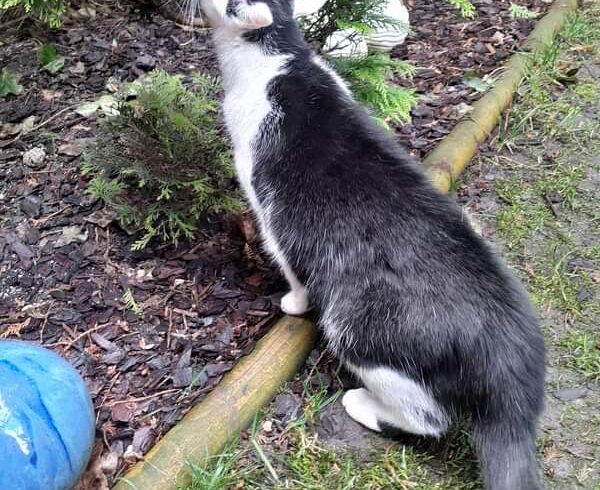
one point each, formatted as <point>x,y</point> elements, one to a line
<point>131,303</point>
<point>361,15</point>
<point>48,11</point>
<point>371,81</point>
<point>162,163</point>
<point>520,12</point>
<point>465,7</point>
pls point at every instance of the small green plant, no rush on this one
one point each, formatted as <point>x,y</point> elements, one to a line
<point>131,303</point>
<point>520,12</point>
<point>49,58</point>
<point>371,82</point>
<point>161,163</point>
<point>221,472</point>
<point>362,16</point>
<point>584,354</point>
<point>582,28</point>
<point>465,7</point>
<point>9,83</point>
<point>48,11</point>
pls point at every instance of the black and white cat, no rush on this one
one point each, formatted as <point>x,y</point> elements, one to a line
<point>409,297</point>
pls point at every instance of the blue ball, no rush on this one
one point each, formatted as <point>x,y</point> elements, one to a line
<point>46,419</point>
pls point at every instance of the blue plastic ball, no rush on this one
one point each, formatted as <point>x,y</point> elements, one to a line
<point>46,419</point>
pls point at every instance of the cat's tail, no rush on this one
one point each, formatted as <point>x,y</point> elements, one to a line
<point>506,451</point>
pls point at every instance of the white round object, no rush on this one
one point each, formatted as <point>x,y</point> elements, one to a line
<point>307,7</point>
<point>385,38</point>
<point>347,43</point>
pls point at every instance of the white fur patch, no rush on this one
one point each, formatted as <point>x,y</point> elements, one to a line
<point>254,15</point>
<point>247,17</point>
<point>294,303</point>
<point>396,400</point>
<point>247,71</point>
<point>362,407</point>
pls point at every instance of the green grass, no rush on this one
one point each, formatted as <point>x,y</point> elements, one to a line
<point>543,202</point>
<point>523,214</point>
<point>582,352</point>
<point>309,465</point>
<point>587,91</point>
<point>538,239</point>
<point>582,28</point>
<point>547,107</point>
<point>221,473</point>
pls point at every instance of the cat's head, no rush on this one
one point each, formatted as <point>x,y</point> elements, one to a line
<point>249,15</point>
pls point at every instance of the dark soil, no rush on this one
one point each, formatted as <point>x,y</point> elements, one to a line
<point>65,264</point>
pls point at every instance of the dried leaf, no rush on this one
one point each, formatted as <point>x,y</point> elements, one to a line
<point>71,234</point>
<point>87,109</point>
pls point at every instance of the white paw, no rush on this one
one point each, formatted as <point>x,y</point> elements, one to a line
<point>361,406</point>
<point>294,303</point>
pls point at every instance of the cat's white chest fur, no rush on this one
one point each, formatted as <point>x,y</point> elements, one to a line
<point>247,72</point>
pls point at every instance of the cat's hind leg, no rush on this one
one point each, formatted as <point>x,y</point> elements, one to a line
<point>392,399</point>
<point>296,301</point>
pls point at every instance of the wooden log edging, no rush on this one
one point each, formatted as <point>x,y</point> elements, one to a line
<point>254,381</point>
<point>450,157</point>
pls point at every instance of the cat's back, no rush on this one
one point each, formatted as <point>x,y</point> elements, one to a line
<point>326,138</point>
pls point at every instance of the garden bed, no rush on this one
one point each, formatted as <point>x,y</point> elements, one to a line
<point>66,266</point>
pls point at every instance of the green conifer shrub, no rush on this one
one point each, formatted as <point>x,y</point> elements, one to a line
<point>162,163</point>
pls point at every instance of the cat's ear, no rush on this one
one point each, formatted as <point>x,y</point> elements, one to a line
<point>251,16</point>
<point>307,7</point>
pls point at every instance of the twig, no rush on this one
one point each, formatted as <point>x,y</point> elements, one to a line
<point>9,23</point>
<point>82,335</point>
<point>43,123</point>
<point>315,365</point>
<point>169,312</point>
<point>112,383</point>
<point>35,128</point>
<point>45,322</point>
<point>142,398</point>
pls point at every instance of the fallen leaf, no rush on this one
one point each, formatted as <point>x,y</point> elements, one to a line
<point>551,452</point>
<point>87,109</point>
<point>247,226</point>
<point>529,269</point>
<point>102,217</point>
<point>50,94</point>
<point>55,66</point>
<point>72,149</point>
<point>71,234</point>
<point>87,11</point>
<point>109,105</point>
<point>9,83</point>
<point>78,68</point>
<point>94,478</point>
<point>24,127</point>
<point>476,82</point>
